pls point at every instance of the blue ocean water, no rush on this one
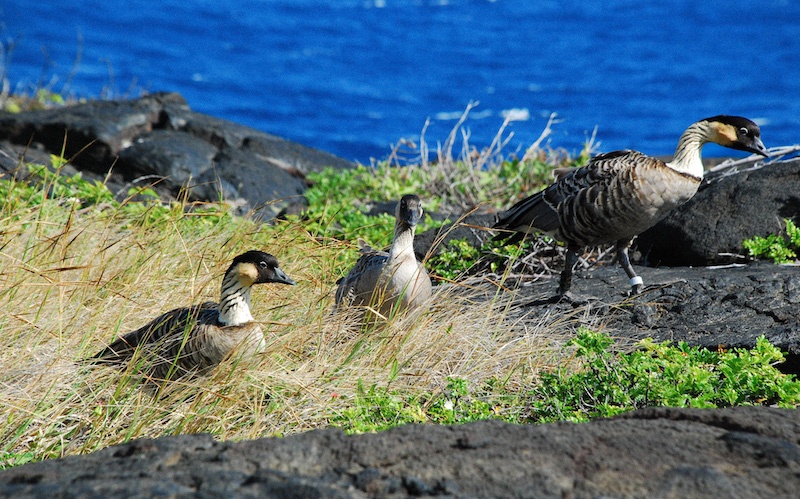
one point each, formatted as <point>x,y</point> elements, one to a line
<point>353,76</point>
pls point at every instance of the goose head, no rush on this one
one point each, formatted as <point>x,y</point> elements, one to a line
<point>257,267</point>
<point>737,133</point>
<point>409,210</point>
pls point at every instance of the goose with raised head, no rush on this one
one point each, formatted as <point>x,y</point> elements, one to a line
<point>197,338</point>
<point>392,280</point>
<point>620,194</point>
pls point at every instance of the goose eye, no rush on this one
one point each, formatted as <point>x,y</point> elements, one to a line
<point>263,265</point>
<point>744,131</point>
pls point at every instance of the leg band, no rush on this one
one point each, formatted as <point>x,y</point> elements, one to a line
<point>636,280</point>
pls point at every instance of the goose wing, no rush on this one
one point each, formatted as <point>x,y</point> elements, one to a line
<point>542,211</point>
<point>361,280</point>
<point>167,330</point>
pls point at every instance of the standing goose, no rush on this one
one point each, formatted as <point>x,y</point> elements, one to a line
<point>620,194</point>
<point>388,280</point>
<point>197,338</point>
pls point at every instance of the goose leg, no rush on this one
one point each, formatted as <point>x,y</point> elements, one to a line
<point>564,294</point>
<point>565,281</point>
<point>625,262</point>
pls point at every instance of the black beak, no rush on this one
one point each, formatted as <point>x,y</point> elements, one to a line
<point>413,218</point>
<point>758,148</point>
<point>282,278</point>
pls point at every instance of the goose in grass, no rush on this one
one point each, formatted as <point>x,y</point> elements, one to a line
<point>197,338</point>
<point>393,280</point>
<point>620,194</point>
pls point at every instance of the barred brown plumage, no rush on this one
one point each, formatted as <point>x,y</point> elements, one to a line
<point>196,338</point>
<point>393,280</point>
<point>620,194</point>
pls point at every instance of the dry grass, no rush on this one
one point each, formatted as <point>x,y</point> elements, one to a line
<point>69,285</point>
<point>464,176</point>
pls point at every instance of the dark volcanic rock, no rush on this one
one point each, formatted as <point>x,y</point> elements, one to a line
<point>92,133</point>
<point>707,307</point>
<point>267,189</point>
<point>742,452</point>
<point>169,153</point>
<point>159,140</point>
<point>725,211</point>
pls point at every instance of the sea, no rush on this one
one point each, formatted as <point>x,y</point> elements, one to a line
<point>362,78</point>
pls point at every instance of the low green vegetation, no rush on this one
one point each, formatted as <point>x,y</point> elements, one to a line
<point>661,374</point>
<point>381,408</point>
<point>338,200</point>
<point>78,268</point>
<point>601,383</point>
<point>779,249</point>
<point>459,258</point>
<point>40,99</point>
<point>338,203</point>
<point>45,183</point>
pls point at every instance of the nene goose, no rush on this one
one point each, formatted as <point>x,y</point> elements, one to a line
<point>393,280</point>
<point>195,339</point>
<point>620,194</point>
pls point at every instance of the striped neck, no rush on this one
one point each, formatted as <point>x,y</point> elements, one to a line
<point>687,157</point>
<point>234,302</point>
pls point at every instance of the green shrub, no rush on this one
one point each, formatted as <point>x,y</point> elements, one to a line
<point>380,408</point>
<point>337,198</point>
<point>55,197</point>
<point>777,248</point>
<point>455,259</point>
<point>459,258</point>
<point>337,203</point>
<point>606,384</point>
<point>659,374</point>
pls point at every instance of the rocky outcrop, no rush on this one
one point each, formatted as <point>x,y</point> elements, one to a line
<point>729,208</point>
<point>742,452</point>
<point>158,140</point>
<point>710,307</point>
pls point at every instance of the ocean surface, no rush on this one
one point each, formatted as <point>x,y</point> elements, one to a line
<point>354,77</point>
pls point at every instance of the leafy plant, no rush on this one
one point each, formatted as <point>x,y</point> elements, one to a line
<point>338,198</point>
<point>365,184</point>
<point>42,99</point>
<point>380,408</point>
<point>459,258</point>
<point>606,384</point>
<point>338,203</point>
<point>459,405</point>
<point>777,248</point>
<point>661,374</point>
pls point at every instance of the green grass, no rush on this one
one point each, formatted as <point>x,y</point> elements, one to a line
<point>78,268</point>
<point>40,99</point>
